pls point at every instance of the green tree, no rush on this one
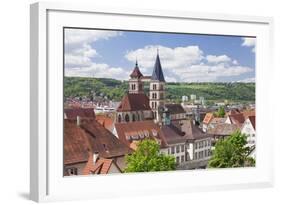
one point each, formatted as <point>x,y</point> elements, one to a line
<point>147,158</point>
<point>231,152</point>
<point>220,112</point>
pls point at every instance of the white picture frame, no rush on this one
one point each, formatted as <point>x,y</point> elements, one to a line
<point>46,179</point>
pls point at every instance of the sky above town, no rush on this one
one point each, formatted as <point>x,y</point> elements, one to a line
<point>184,57</point>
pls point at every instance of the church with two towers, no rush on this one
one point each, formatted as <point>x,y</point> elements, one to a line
<point>136,105</point>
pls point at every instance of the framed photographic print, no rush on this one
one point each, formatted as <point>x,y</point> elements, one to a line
<point>147,101</point>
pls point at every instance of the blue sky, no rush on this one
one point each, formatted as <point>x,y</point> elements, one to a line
<point>184,57</point>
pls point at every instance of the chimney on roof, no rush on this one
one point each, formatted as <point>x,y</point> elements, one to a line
<point>95,157</point>
<point>78,120</point>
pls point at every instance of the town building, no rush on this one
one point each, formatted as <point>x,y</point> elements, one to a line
<point>198,146</point>
<point>133,132</point>
<point>86,137</point>
<point>176,111</point>
<point>222,131</point>
<point>249,129</point>
<point>237,119</point>
<point>206,121</point>
<point>97,165</point>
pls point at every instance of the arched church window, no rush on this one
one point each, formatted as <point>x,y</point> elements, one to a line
<point>127,118</point>
<point>119,118</point>
<point>134,118</point>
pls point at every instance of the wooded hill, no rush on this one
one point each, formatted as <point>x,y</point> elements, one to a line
<point>115,89</point>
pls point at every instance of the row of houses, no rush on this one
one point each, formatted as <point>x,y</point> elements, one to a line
<point>222,127</point>
<point>94,144</point>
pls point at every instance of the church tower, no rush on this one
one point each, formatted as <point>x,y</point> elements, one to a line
<point>157,89</point>
<point>135,83</point>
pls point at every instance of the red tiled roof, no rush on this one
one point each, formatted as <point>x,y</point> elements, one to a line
<point>233,112</point>
<point>223,129</point>
<point>75,144</point>
<point>218,120</point>
<point>237,118</point>
<point>135,131</point>
<point>72,113</point>
<point>103,141</point>
<point>193,132</point>
<point>180,133</point>
<point>89,137</point>
<point>253,121</point>
<point>134,102</point>
<point>106,121</point>
<point>208,117</point>
<point>248,113</point>
<point>172,134</point>
<point>102,166</point>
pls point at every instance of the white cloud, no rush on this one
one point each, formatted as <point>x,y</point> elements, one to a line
<point>97,70</point>
<point>173,58</point>
<point>217,59</point>
<point>80,57</point>
<point>235,62</point>
<point>78,45</point>
<point>187,64</point>
<point>79,54</point>
<point>78,36</point>
<point>249,42</point>
<point>211,73</point>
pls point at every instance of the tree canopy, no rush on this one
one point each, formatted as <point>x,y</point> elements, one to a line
<point>148,158</point>
<point>231,152</point>
<point>220,112</point>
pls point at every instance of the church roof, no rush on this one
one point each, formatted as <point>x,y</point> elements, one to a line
<point>136,72</point>
<point>134,102</point>
<point>157,73</point>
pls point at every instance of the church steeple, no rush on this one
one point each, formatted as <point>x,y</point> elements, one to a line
<point>157,89</point>
<point>157,73</point>
<point>135,83</point>
<point>136,72</point>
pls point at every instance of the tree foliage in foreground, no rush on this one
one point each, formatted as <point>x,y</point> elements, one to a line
<point>147,158</point>
<point>232,152</point>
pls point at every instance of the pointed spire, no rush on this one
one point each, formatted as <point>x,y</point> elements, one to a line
<point>157,73</point>
<point>136,72</point>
